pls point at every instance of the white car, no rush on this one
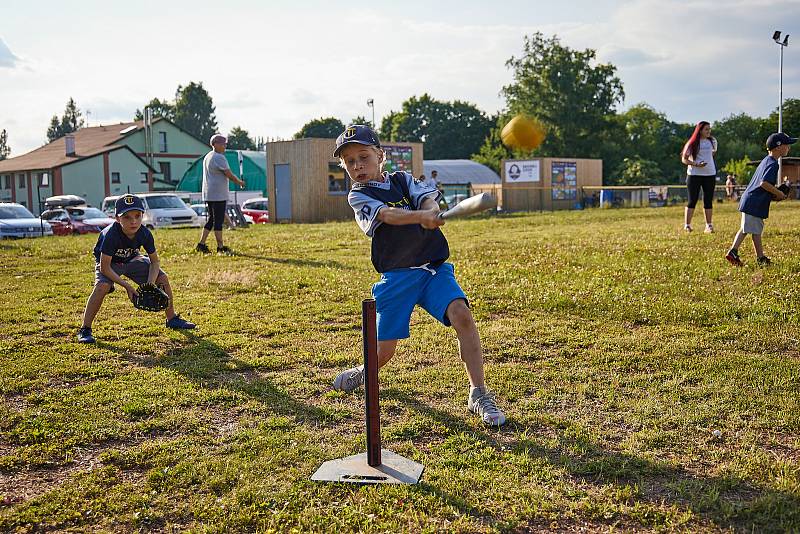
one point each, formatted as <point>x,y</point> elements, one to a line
<point>17,221</point>
<point>161,210</point>
<point>200,210</point>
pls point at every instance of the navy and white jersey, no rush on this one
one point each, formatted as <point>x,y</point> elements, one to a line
<point>113,242</point>
<point>755,199</point>
<point>397,246</point>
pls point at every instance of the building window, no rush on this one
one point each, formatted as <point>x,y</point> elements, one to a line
<point>144,178</point>
<point>115,178</point>
<point>166,171</point>
<point>21,181</point>
<point>162,142</point>
<point>337,180</point>
<point>4,183</point>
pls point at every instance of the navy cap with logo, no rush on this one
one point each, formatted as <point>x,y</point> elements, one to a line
<point>777,139</point>
<point>127,203</point>
<point>356,133</point>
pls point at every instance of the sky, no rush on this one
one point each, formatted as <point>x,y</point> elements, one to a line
<point>271,66</point>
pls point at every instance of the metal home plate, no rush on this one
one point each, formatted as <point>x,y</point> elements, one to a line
<point>394,469</point>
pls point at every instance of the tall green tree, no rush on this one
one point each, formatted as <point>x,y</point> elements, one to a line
<point>791,118</point>
<point>159,108</point>
<point>71,121</point>
<point>326,128</point>
<point>573,96</point>
<point>194,111</point>
<point>639,171</point>
<point>5,150</point>
<point>740,136</point>
<point>239,139</point>
<point>54,130</point>
<point>650,136</point>
<point>450,130</point>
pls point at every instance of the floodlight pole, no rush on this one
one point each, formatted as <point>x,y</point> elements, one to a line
<point>42,181</point>
<point>371,103</point>
<point>777,38</point>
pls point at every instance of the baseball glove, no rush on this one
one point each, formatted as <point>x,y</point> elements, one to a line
<point>784,188</point>
<point>150,297</point>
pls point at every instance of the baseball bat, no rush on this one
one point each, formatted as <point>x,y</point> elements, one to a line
<point>468,206</point>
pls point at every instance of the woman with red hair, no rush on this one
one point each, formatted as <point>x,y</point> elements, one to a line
<point>701,173</point>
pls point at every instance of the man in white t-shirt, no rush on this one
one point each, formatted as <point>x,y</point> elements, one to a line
<point>216,173</point>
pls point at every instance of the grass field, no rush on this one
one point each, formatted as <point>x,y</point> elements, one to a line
<point>616,345</point>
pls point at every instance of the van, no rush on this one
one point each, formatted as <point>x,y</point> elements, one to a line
<point>161,210</point>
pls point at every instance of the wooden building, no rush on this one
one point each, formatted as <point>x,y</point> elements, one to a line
<point>306,185</point>
<point>547,183</point>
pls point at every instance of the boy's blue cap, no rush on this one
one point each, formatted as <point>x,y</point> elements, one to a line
<point>777,139</point>
<point>356,133</point>
<point>127,203</point>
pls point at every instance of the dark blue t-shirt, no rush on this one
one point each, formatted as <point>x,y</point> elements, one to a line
<point>397,246</point>
<point>113,242</point>
<point>755,199</point>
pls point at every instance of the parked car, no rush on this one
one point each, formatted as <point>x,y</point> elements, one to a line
<point>202,214</point>
<point>77,220</point>
<point>61,201</point>
<point>200,210</point>
<point>17,221</point>
<point>257,208</point>
<point>161,210</point>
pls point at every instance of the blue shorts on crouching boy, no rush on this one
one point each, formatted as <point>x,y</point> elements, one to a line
<point>399,290</point>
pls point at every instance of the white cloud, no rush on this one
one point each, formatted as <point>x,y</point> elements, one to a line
<point>275,69</point>
<point>7,58</point>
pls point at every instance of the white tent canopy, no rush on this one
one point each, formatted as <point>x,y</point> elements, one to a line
<point>460,171</point>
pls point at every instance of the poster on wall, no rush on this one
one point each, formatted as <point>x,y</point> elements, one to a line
<point>564,180</point>
<point>522,171</point>
<point>398,158</point>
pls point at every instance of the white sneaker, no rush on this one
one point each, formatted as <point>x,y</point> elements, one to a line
<point>709,229</point>
<point>481,402</point>
<point>687,228</point>
<point>349,380</point>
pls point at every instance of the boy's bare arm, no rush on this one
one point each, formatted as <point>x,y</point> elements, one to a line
<point>105,268</point>
<point>155,266</point>
<point>430,204</point>
<point>774,191</point>
<point>427,218</point>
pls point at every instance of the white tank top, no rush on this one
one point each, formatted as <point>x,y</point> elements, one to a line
<point>705,152</point>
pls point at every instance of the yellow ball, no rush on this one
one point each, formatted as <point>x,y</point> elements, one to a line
<point>523,133</point>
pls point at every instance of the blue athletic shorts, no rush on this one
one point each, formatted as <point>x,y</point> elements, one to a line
<point>398,291</point>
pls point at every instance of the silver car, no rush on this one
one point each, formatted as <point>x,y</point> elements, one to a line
<point>17,221</point>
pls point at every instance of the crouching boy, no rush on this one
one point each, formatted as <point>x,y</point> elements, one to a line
<point>410,252</point>
<point>117,254</point>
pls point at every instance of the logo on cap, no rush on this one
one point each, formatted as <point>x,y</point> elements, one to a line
<point>128,200</point>
<point>350,132</point>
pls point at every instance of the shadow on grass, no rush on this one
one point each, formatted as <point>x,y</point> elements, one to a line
<point>208,366</point>
<point>728,502</point>
<point>295,261</point>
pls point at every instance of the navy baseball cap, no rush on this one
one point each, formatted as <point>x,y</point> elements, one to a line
<point>777,139</point>
<point>356,133</point>
<point>127,203</point>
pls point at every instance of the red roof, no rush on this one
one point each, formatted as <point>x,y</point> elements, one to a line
<point>89,141</point>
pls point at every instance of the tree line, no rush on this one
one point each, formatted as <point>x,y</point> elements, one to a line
<point>567,90</point>
<point>577,100</point>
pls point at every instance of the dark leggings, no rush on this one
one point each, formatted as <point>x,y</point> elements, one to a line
<point>694,183</point>
<point>215,213</point>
